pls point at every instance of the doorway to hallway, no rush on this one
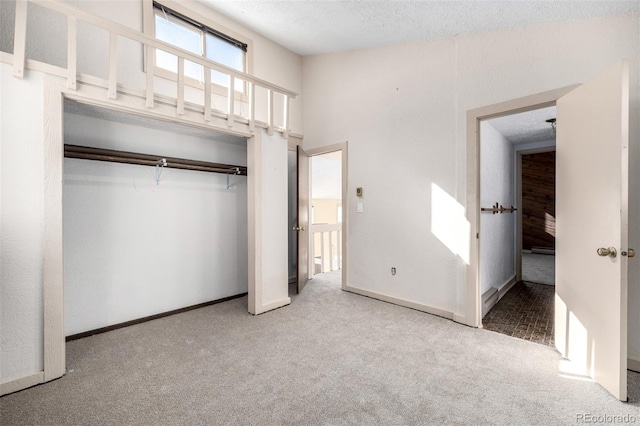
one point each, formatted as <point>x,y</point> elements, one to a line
<point>319,215</point>
<point>517,260</point>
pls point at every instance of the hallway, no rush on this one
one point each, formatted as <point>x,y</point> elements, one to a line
<point>526,311</point>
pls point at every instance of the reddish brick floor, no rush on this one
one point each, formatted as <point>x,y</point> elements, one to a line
<point>526,312</point>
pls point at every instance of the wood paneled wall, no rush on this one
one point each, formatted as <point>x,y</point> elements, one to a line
<point>538,200</point>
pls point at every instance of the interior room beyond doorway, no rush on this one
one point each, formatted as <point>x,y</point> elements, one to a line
<point>517,247</point>
<point>326,213</point>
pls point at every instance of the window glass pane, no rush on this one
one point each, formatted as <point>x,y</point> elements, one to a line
<point>227,54</point>
<point>180,36</point>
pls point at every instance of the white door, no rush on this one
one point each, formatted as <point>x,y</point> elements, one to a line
<point>591,213</point>
<point>303,227</point>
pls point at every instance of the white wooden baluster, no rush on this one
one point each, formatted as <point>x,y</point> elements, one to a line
<point>151,66</point>
<point>252,107</point>
<point>330,250</point>
<point>339,250</point>
<point>112,90</point>
<point>207,94</point>
<point>322,252</point>
<point>72,51</point>
<point>230,100</point>
<point>287,107</point>
<point>180,101</point>
<point>20,39</point>
<point>270,112</point>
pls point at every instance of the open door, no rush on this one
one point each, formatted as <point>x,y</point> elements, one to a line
<point>303,219</point>
<point>592,228</point>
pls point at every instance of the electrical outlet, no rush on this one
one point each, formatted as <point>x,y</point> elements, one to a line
<point>393,270</point>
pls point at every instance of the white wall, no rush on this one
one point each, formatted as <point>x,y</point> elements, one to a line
<point>497,231</point>
<point>21,224</point>
<point>403,110</point>
<point>133,248</point>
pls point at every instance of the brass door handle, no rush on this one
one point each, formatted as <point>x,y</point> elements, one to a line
<point>604,252</point>
<point>630,253</point>
<point>298,228</point>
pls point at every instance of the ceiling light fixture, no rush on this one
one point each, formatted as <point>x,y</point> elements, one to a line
<point>552,121</point>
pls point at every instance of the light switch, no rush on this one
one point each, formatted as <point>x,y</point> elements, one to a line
<point>360,208</point>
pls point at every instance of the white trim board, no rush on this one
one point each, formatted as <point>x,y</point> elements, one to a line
<point>400,302</point>
<point>15,385</point>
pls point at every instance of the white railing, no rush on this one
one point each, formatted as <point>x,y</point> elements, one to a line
<point>150,44</point>
<point>326,247</point>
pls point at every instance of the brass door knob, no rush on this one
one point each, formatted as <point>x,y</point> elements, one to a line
<point>630,253</point>
<point>604,252</point>
<point>298,228</point>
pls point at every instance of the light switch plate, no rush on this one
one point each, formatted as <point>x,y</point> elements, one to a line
<point>360,208</point>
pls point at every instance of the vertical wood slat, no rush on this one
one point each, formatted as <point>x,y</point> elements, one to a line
<point>322,252</point>
<point>330,250</point>
<point>270,112</point>
<point>207,94</point>
<point>339,249</point>
<point>287,109</point>
<point>252,107</point>
<point>151,66</point>
<point>180,100</point>
<point>113,65</point>
<point>20,39</point>
<point>72,51</point>
<point>230,101</point>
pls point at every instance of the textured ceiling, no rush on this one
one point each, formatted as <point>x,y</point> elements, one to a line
<point>526,127</point>
<point>314,26</point>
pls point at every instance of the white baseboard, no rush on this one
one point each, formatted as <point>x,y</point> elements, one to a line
<point>494,294</point>
<point>462,319</point>
<point>400,302</point>
<point>633,364</point>
<point>504,288</point>
<point>273,305</point>
<point>489,299</point>
<point>14,385</point>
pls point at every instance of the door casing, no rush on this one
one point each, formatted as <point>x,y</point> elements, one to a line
<point>343,147</point>
<point>473,297</point>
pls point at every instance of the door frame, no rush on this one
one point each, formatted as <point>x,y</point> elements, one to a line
<point>473,296</point>
<point>343,147</point>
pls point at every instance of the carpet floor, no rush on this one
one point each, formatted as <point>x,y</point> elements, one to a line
<point>331,357</point>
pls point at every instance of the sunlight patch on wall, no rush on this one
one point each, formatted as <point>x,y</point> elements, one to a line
<point>550,224</point>
<point>448,222</point>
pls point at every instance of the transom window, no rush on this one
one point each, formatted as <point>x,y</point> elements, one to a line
<point>181,31</point>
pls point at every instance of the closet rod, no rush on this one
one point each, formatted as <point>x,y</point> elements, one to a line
<point>100,154</point>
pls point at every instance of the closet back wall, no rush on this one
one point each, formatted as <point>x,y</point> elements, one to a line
<point>133,248</point>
